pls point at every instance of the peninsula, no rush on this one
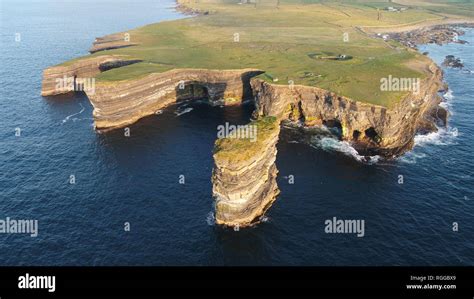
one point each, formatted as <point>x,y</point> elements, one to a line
<point>308,62</point>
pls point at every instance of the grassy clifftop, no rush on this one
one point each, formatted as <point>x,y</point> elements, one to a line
<point>235,150</point>
<point>292,40</point>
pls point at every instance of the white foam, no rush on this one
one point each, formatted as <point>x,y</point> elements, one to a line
<point>411,157</point>
<point>77,113</point>
<point>181,112</point>
<point>444,136</point>
<point>446,105</point>
<point>331,144</point>
<point>210,219</point>
<point>449,95</point>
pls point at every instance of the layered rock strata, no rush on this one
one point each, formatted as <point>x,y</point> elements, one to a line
<point>244,188</point>
<point>370,128</point>
<point>117,104</point>
<point>53,77</point>
<point>120,103</point>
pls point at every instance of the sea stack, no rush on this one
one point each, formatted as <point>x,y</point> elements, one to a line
<point>244,175</point>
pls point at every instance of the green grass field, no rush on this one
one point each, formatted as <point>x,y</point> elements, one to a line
<point>235,150</point>
<point>286,39</point>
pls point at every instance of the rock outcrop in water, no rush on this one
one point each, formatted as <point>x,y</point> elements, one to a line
<point>451,61</point>
<point>244,175</point>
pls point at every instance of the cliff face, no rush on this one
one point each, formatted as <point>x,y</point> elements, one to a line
<point>371,129</point>
<point>84,68</point>
<point>245,188</point>
<point>117,104</point>
<point>120,103</point>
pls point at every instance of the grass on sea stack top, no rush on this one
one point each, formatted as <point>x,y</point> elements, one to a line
<point>234,150</point>
<point>289,39</point>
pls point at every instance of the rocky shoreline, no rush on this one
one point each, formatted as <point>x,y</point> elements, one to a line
<point>438,34</point>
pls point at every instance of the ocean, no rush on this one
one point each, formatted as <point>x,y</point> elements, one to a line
<point>135,181</point>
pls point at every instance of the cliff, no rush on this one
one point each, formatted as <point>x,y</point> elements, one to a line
<point>244,175</point>
<point>120,103</point>
<point>83,68</point>
<point>117,104</point>
<point>372,129</point>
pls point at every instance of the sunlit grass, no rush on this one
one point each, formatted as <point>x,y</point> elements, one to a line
<point>280,41</point>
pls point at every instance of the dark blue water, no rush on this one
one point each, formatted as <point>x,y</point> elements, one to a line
<point>135,179</point>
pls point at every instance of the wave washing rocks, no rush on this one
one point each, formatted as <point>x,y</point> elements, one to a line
<point>371,129</point>
<point>244,175</point>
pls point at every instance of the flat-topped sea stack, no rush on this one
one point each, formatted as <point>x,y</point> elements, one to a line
<point>244,176</point>
<point>348,66</point>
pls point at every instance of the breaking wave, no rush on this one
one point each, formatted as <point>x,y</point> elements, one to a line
<point>447,102</point>
<point>330,144</point>
<point>444,136</point>
<point>449,95</point>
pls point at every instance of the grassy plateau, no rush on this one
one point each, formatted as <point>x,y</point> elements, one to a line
<point>297,40</point>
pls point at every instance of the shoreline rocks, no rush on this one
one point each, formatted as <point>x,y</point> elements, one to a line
<point>438,34</point>
<point>453,62</point>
